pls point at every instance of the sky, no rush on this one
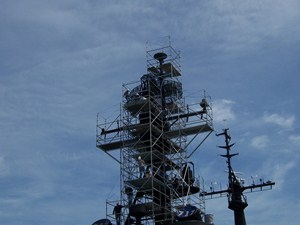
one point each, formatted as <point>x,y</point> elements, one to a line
<point>63,61</point>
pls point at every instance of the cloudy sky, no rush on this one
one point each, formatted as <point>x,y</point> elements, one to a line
<point>63,61</point>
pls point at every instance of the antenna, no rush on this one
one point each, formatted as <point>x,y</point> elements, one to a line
<point>160,57</point>
<point>237,201</point>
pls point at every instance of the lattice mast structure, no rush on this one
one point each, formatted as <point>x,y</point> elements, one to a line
<point>237,201</point>
<point>156,125</point>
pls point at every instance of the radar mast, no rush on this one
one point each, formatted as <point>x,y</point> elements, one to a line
<point>153,136</point>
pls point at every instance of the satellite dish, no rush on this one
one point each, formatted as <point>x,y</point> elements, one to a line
<point>160,56</point>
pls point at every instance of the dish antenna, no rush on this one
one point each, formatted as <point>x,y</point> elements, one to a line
<point>160,56</point>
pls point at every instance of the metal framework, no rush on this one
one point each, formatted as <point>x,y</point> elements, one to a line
<point>157,126</point>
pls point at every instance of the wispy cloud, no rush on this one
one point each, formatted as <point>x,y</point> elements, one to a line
<point>295,139</point>
<point>260,142</point>
<point>281,170</point>
<point>286,121</point>
<point>223,110</point>
<point>241,27</point>
<point>61,62</point>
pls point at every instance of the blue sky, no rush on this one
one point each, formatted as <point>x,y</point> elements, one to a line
<point>62,62</point>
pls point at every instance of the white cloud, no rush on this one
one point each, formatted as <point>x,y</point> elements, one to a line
<point>295,139</point>
<point>281,170</point>
<point>62,62</point>
<point>260,141</point>
<point>243,26</point>
<point>223,110</point>
<point>282,121</point>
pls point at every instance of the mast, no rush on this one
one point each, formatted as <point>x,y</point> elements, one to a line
<point>237,201</point>
<point>152,136</point>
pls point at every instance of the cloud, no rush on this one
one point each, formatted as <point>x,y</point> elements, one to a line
<point>62,62</point>
<point>295,139</point>
<point>223,110</point>
<point>280,171</point>
<point>260,141</point>
<point>241,27</point>
<point>282,121</point>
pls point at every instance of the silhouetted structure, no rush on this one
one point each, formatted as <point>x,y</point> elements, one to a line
<point>236,199</point>
<point>157,126</point>
<point>151,139</point>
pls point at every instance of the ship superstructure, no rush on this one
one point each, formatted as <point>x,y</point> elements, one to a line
<point>154,133</point>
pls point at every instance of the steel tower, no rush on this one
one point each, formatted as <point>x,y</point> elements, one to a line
<point>155,131</point>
